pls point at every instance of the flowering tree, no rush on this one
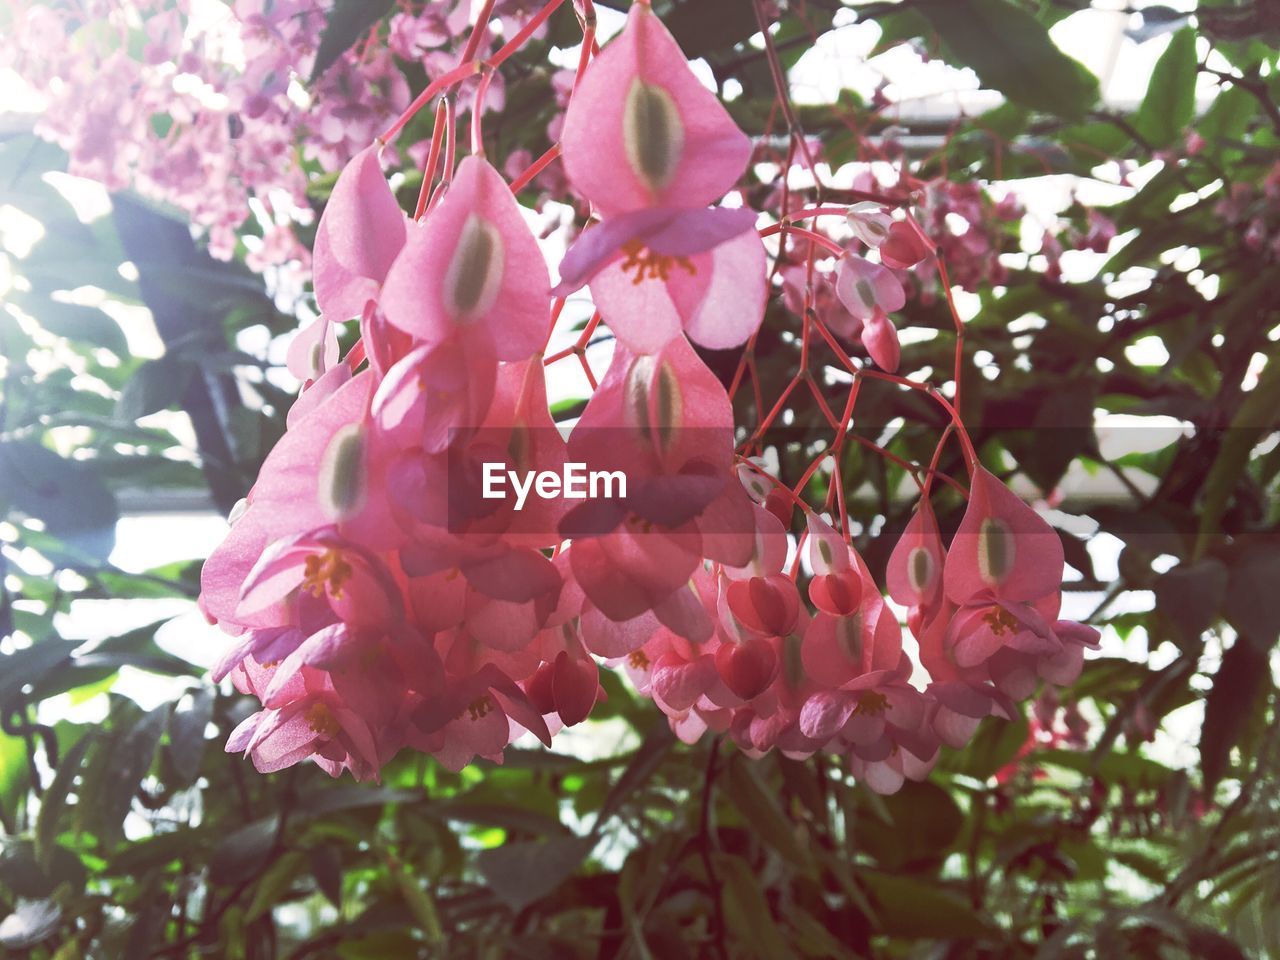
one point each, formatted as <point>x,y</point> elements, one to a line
<point>823,360</point>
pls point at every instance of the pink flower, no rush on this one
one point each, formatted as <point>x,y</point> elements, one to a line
<point>869,222</point>
<point>870,291</point>
<point>360,235</point>
<point>1004,574</point>
<point>472,270</point>
<point>650,147</point>
<point>904,246</point>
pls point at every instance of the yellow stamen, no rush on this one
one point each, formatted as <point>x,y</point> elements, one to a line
<point>638,660</point>
<point>326,571</point>
<point>321,719</point>
<point>871,703</point>
<point>652,266</point>
<point>479,707</point>
<point>1000,620</point>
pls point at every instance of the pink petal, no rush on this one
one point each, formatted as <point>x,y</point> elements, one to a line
<point>914,573</point>
<point>880,337</point>
<point>642,131</point>
<point>364,225</point>
<point>825,714</point>
<point>601,243</point>
<point>616,638</point>
<point>435,394</point>
<point>313,350</point>
<point>732,307</point>
<point>472,268</point>
<point>1002,545</point>
<point>678,683</point>
<point>834,648</point>
<point>864,287</point>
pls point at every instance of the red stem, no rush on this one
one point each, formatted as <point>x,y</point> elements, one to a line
<point>535,168</point>
<point>433,158</point>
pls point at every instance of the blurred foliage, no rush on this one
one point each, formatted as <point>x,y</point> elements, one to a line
<point>136,836</point>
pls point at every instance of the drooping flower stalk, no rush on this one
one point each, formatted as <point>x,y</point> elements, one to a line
<point>379,598</point>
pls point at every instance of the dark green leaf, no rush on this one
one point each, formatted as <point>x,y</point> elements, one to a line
<point>911,908</point>
<point>1170,102</point>
<point>54,802</point>
<point>67,495</point>
<point>704,27</point>
<point>76,322</point>
<point>242,852</point>
<point>187,732</point>
<point>747,912</point>
<point>522,873</point>
<point>349,20</point>
<point>995,744</point>
<point>925,824</point>
<point>130,759</point>
<point>1190,595</point>
<point>30,664</point>
<point>1012,52</point>
<point>1236,686</point>
<point>1253,601</point>
<point>763,814</point>
<point>156,385</point>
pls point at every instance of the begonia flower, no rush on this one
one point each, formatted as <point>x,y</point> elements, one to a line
<point>650,147</point>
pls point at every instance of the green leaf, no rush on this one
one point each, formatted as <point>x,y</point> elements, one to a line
<point>1256,415</point>
<point>275,883</point>
<point>242,852</point>
<point>127,762</point>
<point>13,775</point>
<point>24,876</point>
<point>419,901</point>
<point>522,873</point>
<point>1228,116</point>
<point>926,823</point>
<point>76,322</point>
<point>643,765</point>
<point>763,815</point>
<point>899,27</point>
<point>704,27</point>
<point>1170,101</point>
<point>1253,602</point>
<point>914,909</point>
<point>1239,682</point>
<point>1189,597</point>
<point>995,744</point>
<point>68,496</point>
<point>1011,52</point>
<point>54,801</point>
<point>187,730</point>
<point>30,664</point>
<point>349,20</point>
<point>156,385</point>
<point>747,911</point>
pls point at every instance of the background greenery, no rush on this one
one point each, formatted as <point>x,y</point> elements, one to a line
<point>138,837</point>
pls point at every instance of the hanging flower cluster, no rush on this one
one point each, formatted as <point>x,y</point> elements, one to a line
<point>380,598</point>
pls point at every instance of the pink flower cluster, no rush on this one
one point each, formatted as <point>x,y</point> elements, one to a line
<point>377,601</point>
<point>207,114</point>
